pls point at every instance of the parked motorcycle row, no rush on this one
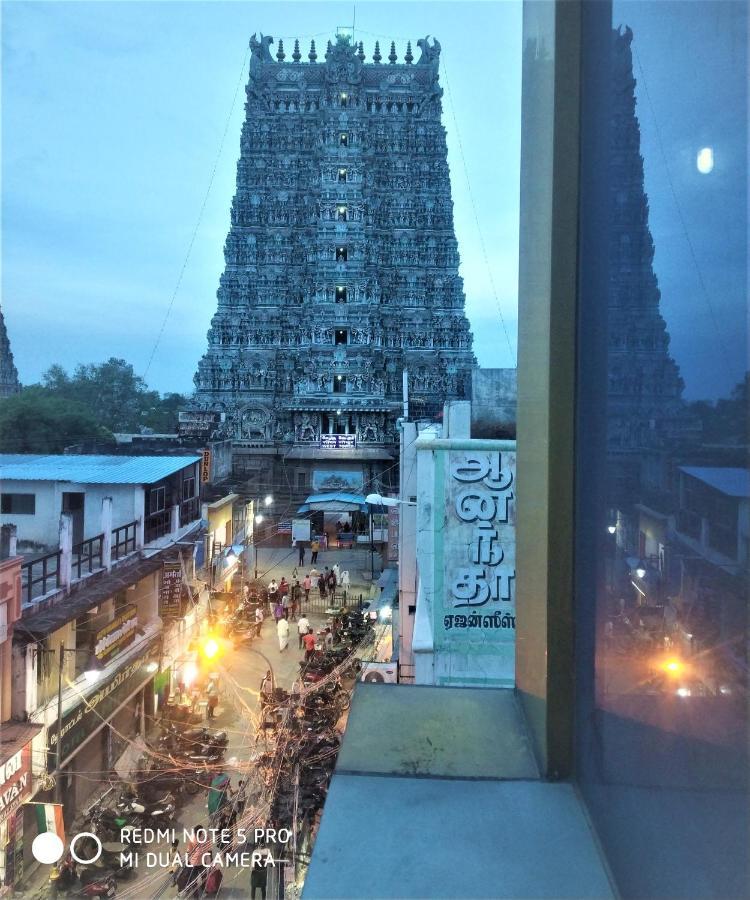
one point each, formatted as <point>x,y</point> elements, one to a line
<point>186,757</point>
<point>181,761</point>
<point>296,773</point>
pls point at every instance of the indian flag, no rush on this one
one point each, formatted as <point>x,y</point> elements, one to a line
<point>49,817</point>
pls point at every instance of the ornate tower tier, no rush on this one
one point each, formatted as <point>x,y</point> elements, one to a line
<point>9,383</point>
<point>341,259</point>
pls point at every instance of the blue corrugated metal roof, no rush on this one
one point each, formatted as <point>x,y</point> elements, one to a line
<point>734,482</point>
<point>334,500</point>
<point>91,469</point>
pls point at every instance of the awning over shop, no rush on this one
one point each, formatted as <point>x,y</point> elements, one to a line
<point>14,736</point>
<point>334,502</point>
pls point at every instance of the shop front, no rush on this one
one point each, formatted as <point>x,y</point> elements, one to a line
<point>15,790</point>
<point>96,732</point>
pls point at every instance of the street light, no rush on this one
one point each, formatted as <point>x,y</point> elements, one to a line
<point>640,569</point>
<point>380,500</point>
<point>611,528</point>
<point>91,673</point>
<point>268,500</point>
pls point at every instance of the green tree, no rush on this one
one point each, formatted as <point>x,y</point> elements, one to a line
<point>115,396</point>
<point>36,422</point>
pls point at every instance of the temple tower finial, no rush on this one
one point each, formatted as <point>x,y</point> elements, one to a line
<point>392,55</point>
<point>312,55</point>
<point>376,57</point>
<point>296,56</point>
<point>280,52</point>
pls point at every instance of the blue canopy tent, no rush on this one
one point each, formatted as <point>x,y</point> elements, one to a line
<point>333,502</point>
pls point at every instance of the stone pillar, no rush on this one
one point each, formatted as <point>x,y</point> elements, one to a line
<point>106,527</point>
<point>8,541</point>
<point>66,545</point>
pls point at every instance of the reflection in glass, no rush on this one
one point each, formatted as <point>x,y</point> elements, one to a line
<point>665,767</point>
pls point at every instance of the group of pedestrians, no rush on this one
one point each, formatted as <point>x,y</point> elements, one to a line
<point>314,550</point>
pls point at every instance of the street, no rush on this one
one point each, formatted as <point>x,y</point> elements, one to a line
<point>240,671</point>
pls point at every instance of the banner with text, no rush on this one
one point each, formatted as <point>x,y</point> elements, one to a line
<point>475,615</point>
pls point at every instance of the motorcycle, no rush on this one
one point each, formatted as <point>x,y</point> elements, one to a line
<point>152,813</point>
<point>110,825</point>
<point>64,879</point>
<point>193,738</point>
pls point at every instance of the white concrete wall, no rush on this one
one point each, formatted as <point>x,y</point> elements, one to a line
<point>464,633</point>
<point>43,527</point>
<point>407,541</point>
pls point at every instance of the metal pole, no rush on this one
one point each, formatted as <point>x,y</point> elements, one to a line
<point>60,663</point>
<point>372,550</point>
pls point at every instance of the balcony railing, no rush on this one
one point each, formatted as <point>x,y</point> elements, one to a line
<point>88,556</point>
<point>189,511</point>
<point>39,576</point>
<point>123,540</point>
<point>157,525</point>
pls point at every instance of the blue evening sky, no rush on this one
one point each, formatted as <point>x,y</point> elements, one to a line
<point>113,116</point>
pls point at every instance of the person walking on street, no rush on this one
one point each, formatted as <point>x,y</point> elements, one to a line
<point>322,586</point>
<point>258,620</point>
<point>314,547</point>
<point>331,581</point>
<point>278,612</point>
<point>282,630</point>
<point>296,595</point>
<point>284,595</point>
<point>309,642</point>
<point>212,694</point>
<point>286,605</point>
<point>303,626</point>
<point>260,860</point>
<point>301,561</point>
<point>307,585</point>
<point>273,593</point>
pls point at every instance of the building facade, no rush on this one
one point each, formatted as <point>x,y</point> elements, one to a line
<point>341,269</point>
<point>106,586</point>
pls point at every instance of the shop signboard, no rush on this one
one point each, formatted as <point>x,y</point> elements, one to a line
<point>300,530</point>
<point>205,466</point>
<point>349,481</point>
<point>393,533</point>
<point>117,635</point>
<point>337,441</point>
<point>15,781</point>
<point>170,594</point>
<point>475,609</point>
<point>92,713</point>
<point>197,421</point>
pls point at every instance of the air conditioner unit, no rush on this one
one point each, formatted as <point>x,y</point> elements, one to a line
<point>379,672</point>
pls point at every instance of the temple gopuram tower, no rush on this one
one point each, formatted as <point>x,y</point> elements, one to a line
<point>645,408</point>
<point>341,271</point>
<point>9,383</point>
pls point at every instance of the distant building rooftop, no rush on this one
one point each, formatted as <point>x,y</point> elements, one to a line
<point>729,481</point>
<point>91,469</point>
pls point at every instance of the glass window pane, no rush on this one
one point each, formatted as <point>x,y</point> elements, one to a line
<point>663,546</point>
